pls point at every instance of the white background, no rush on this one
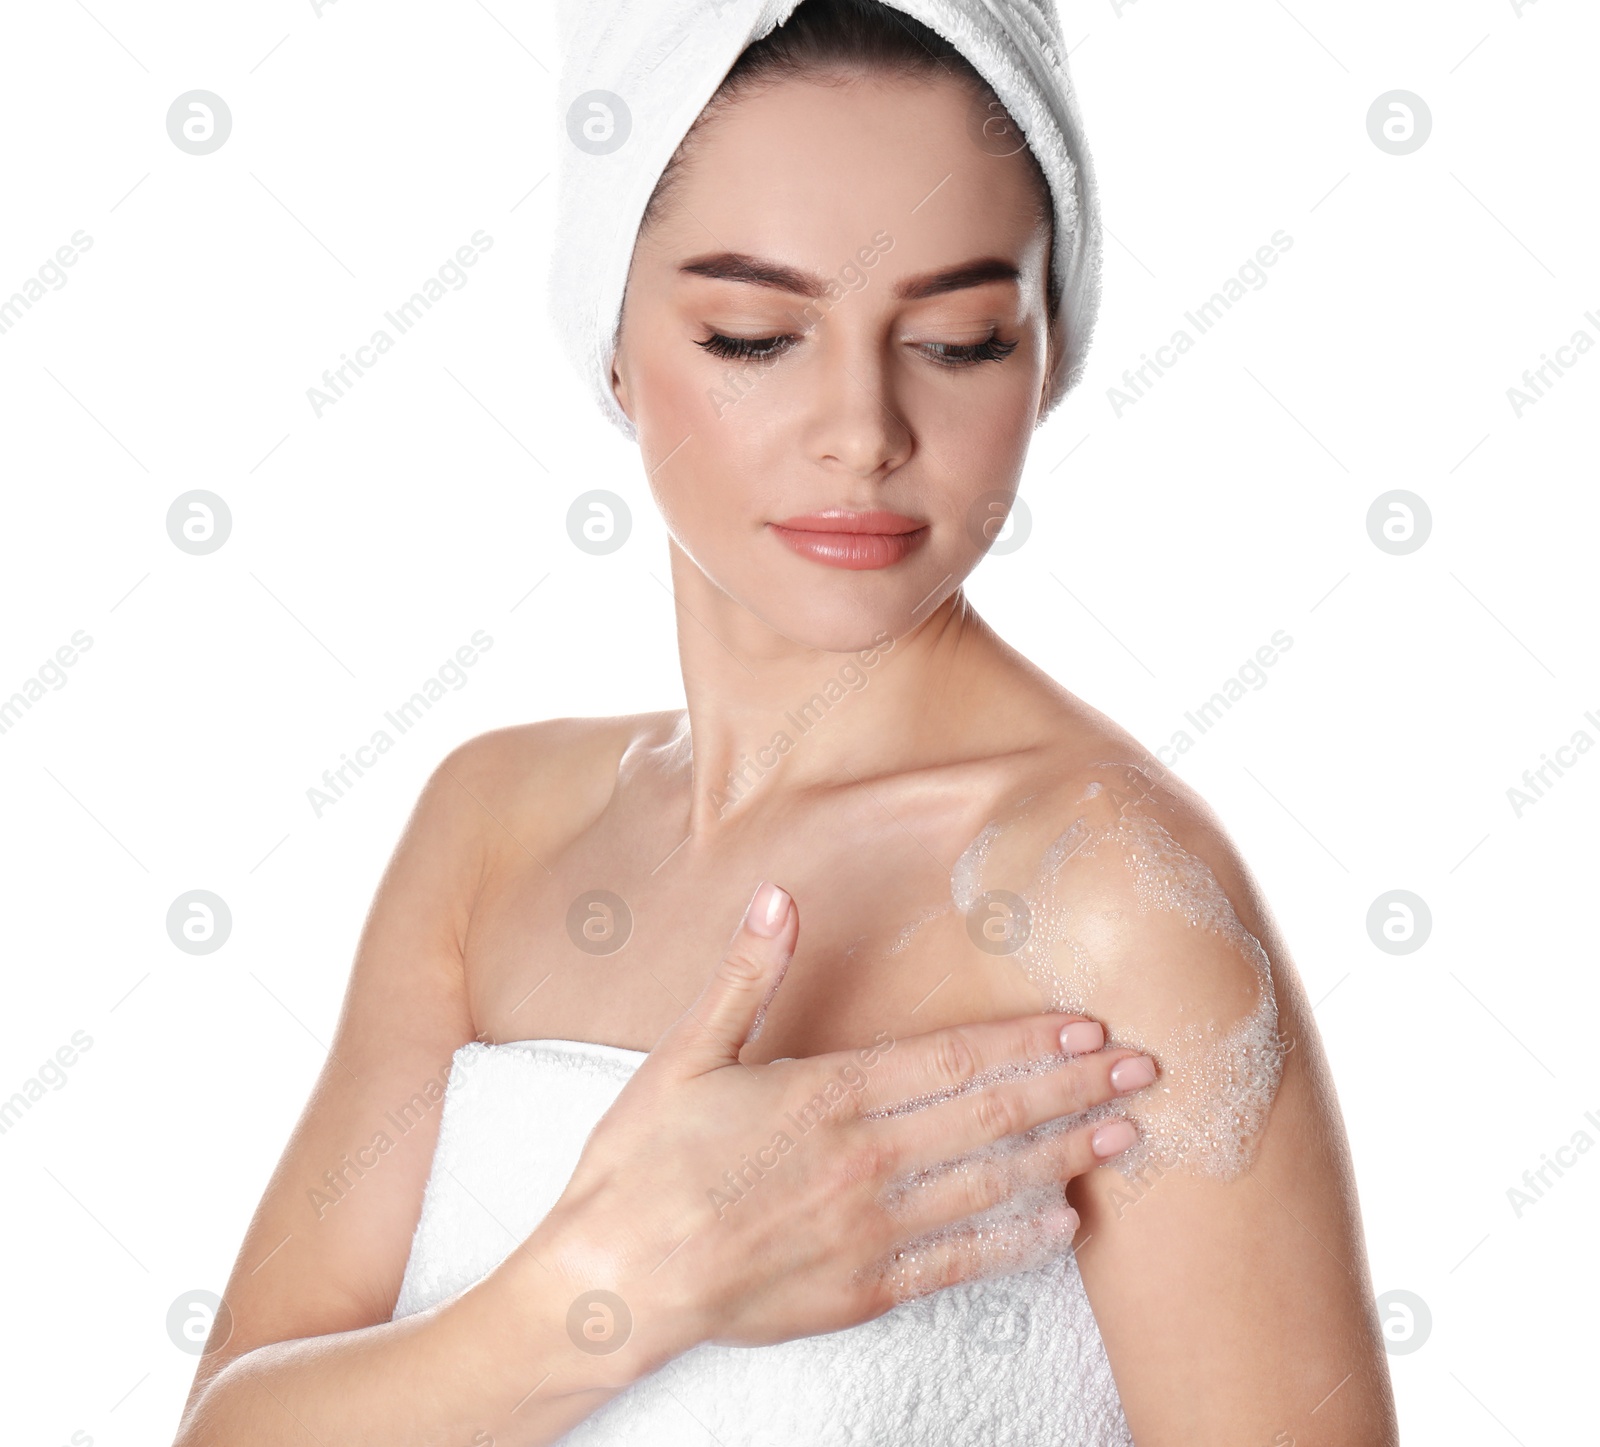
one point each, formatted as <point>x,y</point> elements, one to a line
<point>1169,543</point>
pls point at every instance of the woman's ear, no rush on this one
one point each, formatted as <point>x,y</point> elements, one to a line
<point>619,389</point>
<point>1049,373</point>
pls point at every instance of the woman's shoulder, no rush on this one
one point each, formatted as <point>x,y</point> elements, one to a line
<point>543,781</point>
<point>1134,905</point>
<point>1085,769</point>
<point>558,745</point>
<point>1159,914</point>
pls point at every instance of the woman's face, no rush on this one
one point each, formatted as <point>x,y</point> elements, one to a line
<point>841,309</point>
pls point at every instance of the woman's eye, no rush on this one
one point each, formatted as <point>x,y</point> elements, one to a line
<point>992,350</point>
<point>757,349</point>
<point>945,354</point>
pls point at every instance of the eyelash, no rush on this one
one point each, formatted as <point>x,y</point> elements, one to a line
<point>760,349</point>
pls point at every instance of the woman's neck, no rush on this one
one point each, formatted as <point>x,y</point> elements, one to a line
<point>770,720</point>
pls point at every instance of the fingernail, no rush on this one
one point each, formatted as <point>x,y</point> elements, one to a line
<point>1082,1036</point>
<point>768,908</point>
<point>1134,1073</point>
<point>1114,1136</point>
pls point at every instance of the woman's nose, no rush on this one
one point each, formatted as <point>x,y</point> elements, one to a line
<point>856,418</point>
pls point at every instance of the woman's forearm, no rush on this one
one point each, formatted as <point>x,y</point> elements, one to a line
<point>499,1362</point>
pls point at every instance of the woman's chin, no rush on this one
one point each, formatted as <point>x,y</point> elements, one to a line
<point>839,625</point>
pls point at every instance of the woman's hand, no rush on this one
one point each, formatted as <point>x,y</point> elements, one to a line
<point>750,1204</point>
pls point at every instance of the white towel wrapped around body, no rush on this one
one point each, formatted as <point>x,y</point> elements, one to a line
<point>1005,1361</point>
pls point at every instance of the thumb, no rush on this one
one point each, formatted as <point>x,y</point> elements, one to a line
<point>729,1011</point>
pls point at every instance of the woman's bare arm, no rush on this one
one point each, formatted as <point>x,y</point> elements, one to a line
<point>1232,1290</point>
<point>312,1348</point>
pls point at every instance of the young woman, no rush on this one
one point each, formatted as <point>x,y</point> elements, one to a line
<point>777,1190</point>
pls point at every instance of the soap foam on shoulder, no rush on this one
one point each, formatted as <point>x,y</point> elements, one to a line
<point>1206,1109</point>
<point>1216,1085</point>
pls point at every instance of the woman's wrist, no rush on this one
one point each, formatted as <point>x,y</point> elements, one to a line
<point>577,1319</point>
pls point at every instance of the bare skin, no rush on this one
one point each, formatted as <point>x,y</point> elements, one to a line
<point>1232,1310</point>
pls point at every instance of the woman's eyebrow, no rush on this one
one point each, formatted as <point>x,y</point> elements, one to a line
<point>757,271</point>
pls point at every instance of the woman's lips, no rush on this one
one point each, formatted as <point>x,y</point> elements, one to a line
<point>844,539</point>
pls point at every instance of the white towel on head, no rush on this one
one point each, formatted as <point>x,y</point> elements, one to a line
<point>637,73</point>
